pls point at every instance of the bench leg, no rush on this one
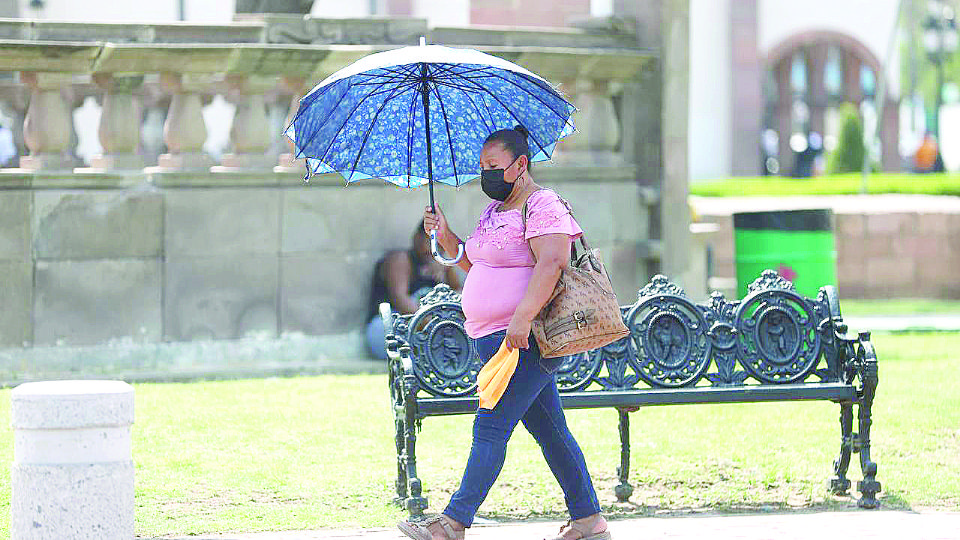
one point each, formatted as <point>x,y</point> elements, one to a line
<point>839,485</point>
<point>869,486</point>
<point>401,484</point>
<point>624,490</point>
<point>396,401</point>
<point>416,503</point>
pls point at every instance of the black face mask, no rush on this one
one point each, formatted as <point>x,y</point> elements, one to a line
<point>493,184</point>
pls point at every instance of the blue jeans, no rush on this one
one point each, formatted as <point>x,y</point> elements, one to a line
<point>375,335</point>
<point>530,397</point>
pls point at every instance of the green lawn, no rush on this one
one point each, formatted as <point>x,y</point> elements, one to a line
<point>318,452</point>
<point>900,306</point>
<point>834,184</point>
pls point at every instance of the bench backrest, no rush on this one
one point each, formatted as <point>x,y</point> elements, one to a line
<point>772,336</point>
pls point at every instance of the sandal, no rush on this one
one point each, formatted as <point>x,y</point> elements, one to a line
<point>425,529</point>
<point>584,528</point>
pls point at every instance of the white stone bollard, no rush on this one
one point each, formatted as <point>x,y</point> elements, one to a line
<point>72,464</point>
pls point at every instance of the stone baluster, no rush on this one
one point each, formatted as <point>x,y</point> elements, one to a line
<point>14,100</point>
<point>598,129</point>
<point>184,131</point>
<point>119,129</point>
<point>48,125</point>
<point>250,132</point>
<point>573,146</point>
<point>297,87</point>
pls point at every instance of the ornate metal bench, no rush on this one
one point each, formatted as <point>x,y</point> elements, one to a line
<point>774,345</point>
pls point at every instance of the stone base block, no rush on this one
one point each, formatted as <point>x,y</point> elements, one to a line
<point>245,162</point>
<point>73,501</point>
<point>16,297</point>
<point>194,161</point>
<point>114,162</point>
<point>287,164</point>
<point>47,162</point>
<point>16,207</point>
<point>295,353</point>
<point>604,158</point>
<point>95,301</point>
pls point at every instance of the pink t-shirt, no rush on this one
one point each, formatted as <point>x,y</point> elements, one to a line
<point>502,260</point>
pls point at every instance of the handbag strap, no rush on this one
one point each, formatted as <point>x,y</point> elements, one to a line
<point>573,246</point>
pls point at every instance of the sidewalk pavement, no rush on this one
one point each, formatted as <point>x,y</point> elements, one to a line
<point>853,525</point>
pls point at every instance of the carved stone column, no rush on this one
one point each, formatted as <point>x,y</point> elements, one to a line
<point>250,132</point>
<point>184,131</point>
<point>852,90</point>
<point>816,89</point>
<point>598,128</point>
<point>298,88</point>
<point>48,125</point>
<point>674,209</point>
<point>747,95</point>
<point>784,119</point>
<point>603,131</point>
<point>14,100</point>
<point>119,123</point>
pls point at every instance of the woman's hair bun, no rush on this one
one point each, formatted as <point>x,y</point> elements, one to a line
<point>522,130</point>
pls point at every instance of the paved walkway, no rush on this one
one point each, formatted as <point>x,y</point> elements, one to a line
<point>852,525</point>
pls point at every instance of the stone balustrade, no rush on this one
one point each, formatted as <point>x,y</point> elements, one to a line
<point>258,63</point>
<point>159,259</point>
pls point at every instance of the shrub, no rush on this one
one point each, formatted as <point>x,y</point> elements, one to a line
<point>848,155</point>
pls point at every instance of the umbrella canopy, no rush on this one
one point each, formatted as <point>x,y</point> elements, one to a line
<point>415,115</point>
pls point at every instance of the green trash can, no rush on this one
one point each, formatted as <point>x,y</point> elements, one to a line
<point>798,244</point>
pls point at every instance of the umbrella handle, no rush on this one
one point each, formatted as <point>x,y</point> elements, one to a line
<point>434,246</point>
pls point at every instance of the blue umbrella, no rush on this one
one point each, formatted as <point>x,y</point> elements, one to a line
<point>367,120</point>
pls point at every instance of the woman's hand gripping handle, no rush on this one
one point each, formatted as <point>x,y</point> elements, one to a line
<point>435,225</point>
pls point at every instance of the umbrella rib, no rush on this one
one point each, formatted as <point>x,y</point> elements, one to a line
<point>446,124</point>
<point>535,96</point>
<point>449,70</point>
<point>369,78</point>
<point>505,107</point>
<point>413,108</point>
<point>313,97</point>
<point>452,84</point>
<point>368,81</point>
<point>345,120</point>
<point>398,69</point>
<point>373,122</point>
<point>393,70</point>
<point>320,125</point>
<point>489,125</point>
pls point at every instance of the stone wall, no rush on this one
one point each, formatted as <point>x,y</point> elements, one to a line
<point>152,262</point>
<point>160,260</point>
<point>887,246</point>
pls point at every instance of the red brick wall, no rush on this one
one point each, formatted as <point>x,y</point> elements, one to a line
<point>527,12</point>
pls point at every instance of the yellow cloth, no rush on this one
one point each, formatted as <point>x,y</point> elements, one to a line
<point>495,375</point>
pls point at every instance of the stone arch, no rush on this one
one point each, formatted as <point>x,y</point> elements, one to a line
<point>815,44</point>
<point>821,37</point>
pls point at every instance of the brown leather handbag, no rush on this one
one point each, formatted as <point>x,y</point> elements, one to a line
<point>582,314</point>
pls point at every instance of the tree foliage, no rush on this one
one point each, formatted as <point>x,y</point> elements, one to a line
<point>850,150</point>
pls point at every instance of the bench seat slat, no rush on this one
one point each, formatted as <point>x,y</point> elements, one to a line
<point>665,396</point>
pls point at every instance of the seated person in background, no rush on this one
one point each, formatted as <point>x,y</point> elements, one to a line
<point>402,278</point>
